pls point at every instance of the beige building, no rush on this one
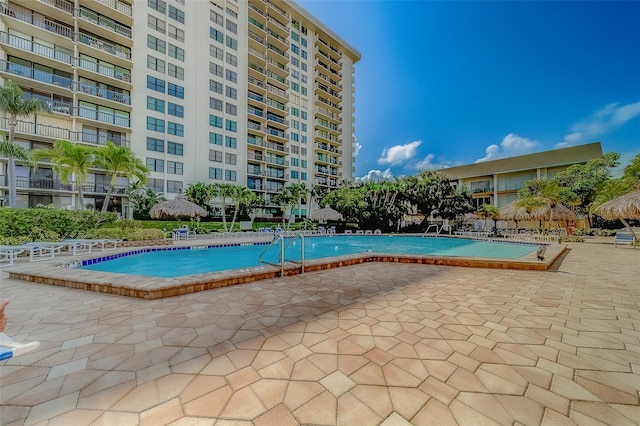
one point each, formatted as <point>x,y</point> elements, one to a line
<point>254,93</point>
<point>497,182</point>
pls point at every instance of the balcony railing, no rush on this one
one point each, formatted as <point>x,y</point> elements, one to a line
<point>255,81</point>
<point>37,48</point>
<point>104,22</point>
<point>117,5</point>
<point>103,93</point>
<point>104,117</point>
<point>114,49</point>
<point>35,74</point>
<point>37,19</point>
<point>52,132</point>
<point>255,96</point>
<point>33,182</point>
<point>64,5</point>
<point>104,69</point>
<point>275,7</point>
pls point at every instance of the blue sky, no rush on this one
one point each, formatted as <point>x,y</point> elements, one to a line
<point>452,82</point>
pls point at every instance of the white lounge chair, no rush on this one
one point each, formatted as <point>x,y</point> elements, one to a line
<point>9,348</point>
<point>624,237</point>
<point>42,250</point>
<point>8,254</point>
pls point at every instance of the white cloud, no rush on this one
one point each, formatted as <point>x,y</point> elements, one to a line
<point>376,175</point>
<point>427,163</point>
<point>510,146</point>
<point>399,154</point>
<point>605,120</point>
<point>358,147</point>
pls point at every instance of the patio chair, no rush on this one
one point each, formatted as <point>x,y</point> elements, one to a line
<point>9,348</point>
<point>8,254</point>
<point>624,237</point>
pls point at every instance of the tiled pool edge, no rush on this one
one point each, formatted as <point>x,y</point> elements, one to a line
<point>157,288</point>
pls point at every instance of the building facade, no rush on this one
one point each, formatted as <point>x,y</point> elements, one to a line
<point>253,93</point>
<point>497,182</point>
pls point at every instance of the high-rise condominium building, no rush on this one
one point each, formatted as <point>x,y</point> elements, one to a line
<point>247,92</point>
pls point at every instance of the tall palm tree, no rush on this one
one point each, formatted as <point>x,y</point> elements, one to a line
<point>285,200</point>
<point>119,160</point>
<point>69,159</point>
<point>487,211</point>
<point>241,197</point>
<point>298,191</point>
<point>225,190</point>
<point>14,104</point>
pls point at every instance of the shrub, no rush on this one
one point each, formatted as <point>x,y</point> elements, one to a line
<point>49,224</point>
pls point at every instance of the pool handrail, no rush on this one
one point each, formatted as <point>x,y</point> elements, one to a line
<point>295,237</point>
<point>275,239</point>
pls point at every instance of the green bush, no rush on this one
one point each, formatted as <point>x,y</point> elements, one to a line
<point>138,234</point>
<point>50,224</point>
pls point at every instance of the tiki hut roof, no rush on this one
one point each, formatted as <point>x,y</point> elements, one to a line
<point>624,207</point>
<point>559,212</point>
<point>326,214</point>
<point>512,212</point>
<point>178,207</point>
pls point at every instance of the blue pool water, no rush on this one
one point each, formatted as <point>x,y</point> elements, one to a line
<point>175,263</point>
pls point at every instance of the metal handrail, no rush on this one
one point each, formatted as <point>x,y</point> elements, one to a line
<point>277,238</point>
<point>295,237</point>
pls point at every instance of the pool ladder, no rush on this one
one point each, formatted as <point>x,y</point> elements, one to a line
<point>280,239</point>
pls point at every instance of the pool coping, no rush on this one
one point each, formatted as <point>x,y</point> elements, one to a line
<point>65,274</point>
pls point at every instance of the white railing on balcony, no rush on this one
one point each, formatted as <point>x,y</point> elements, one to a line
<point>114,49</point>
<point>105,117</point>
<point>256,37</point>
<point>104,93</point>
<point>255,81</point>
<point>257,54</point>
<point>105,69</point>
<point>118,5</point>
<point>35,74</point>
<point>37,48</point>
<point>277,91</point>
<point>64,5</point>
<point>104,22</point>
<point>278,105</point>
<point>37,19</point>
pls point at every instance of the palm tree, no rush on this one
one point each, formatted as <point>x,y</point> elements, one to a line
<point>285,200</point>
<point>538,193</point>
<point>487,211</point>
<point>119,160</point>
<point>242,197</point>
<point>14,104</point>
<point>225,190</point>
<point>298,191</point>
<point>69,159</point>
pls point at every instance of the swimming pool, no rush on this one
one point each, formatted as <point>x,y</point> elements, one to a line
<point>183,261</point>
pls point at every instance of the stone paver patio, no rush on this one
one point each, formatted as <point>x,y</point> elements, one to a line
<point>378,343</point>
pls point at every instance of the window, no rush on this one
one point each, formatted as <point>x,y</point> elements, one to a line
<point>303,78</point>
<point>156,185</point>
<point>175,148</point>
<point>176,110</point>
<point>294,149</point>
<point>155,104</point>
<point>303,151</point>
<point>230,175</point>
<point>154,144</point>
<point>304,42</point>
<point>303,90</point>
<point>215,138</point>
<point>155,84</point>
<point>175,129</point>
<point>176,33</point>
<point>214,86</point>
<point>295,74</point>
<point>176,52</point>
<point>215,104</point>
<point>295,62</point>
<point>216,52</point>
<point>215,121</point>
<point>232,76</point>
<point>155,124</point>
<point>303,127</point>
<point>294,174</point>
<point>159,5</point>
<point>295,48</point>
<point>231,109</point>
<point>303,66</point>
<point>294,36</point>
<point>295,111</point>
<point>176,14</point>
<point>174,167</point>
<point>232,13</point>
<point>231,126</point>
<point>216,18</point>
<point>155,64</point>
<point>215,156</point>
<point>216,69</point>
<point>295,124</point>
<point>303,115</point>
<point>231,92</point>
<point>156,23</point>
<point>216,35</point>
<point>295,162</point>
<point>303,163</point>
<point>295,86</point>
<point>303,53</point>
<point>156,44</point>
<point>215,173</point>
<point>303,139</point>
<point>232,26</point>
<point>294,137</point>
<point>155,164</point>
<point>174,186</point>
<point>232,59</point>
<point>176,71</point>
<point>232,43</point>
<point>303,175</point>
<point>230,142</point>
<point>175,90</point>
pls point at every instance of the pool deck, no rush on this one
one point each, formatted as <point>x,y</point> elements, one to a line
<point>371,344</point>
<point>50,271</point>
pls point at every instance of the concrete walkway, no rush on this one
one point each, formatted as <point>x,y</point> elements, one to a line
<point>378,343</point>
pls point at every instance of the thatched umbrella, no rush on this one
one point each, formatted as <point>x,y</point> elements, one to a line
<point>326,214</point>
<point>178,207</point>
<point>623,207</point>
<point>558,212</point>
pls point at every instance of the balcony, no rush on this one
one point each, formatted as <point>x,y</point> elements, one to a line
<point>104,22</point>
<point>255,111</point>
<point>274,6</point>
<point>256,82</point>
<point>118,5</point>
<point>255,37</point>
<point>36,48</point>
<point>279,51</point>
<point>277,119</point>
<point>278,92</point>
<point>104,117</point>
<point>104,93</point>
<point>35,74</point>
<point>105,46</point>
<point>41,21</point>
<point>50,132</point>
<point>106,69</point>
